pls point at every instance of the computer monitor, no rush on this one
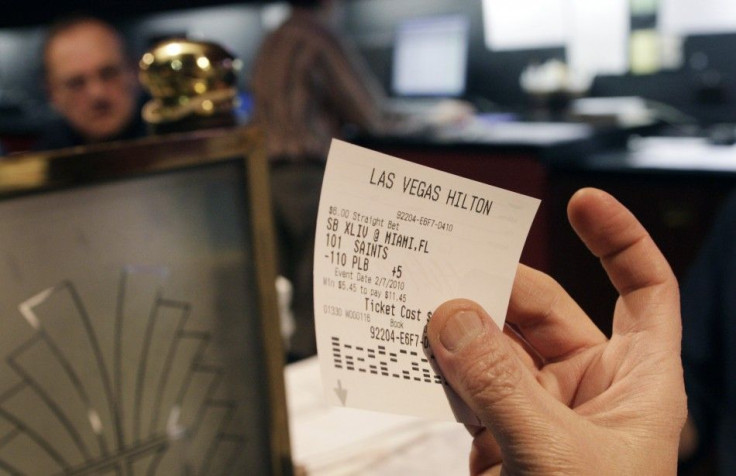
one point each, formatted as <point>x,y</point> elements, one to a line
<point>430,57</point>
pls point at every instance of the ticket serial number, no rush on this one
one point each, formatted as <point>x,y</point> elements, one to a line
<point>423,221</point>
<point>385,334</point>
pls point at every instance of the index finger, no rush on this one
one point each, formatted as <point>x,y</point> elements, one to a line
<point>548,318</point>
<point>634,264</point>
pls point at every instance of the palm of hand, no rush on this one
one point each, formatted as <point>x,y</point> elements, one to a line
<point>615,390</point>
<point>554,394</point>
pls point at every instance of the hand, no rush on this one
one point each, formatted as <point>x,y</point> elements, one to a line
<point>554,395</point>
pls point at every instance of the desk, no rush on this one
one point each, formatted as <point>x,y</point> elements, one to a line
<point>334,441</point>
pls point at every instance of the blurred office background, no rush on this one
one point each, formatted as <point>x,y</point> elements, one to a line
<point>674,53</point>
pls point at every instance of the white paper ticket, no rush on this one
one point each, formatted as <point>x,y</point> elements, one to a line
<point>395,240</point>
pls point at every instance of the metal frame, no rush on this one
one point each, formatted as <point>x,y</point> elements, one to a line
<point>37,173</point>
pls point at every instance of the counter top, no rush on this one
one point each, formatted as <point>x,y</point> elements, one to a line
<point>679,155</point>
<point>552,143</point>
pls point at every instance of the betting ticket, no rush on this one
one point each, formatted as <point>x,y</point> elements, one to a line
<point>395,240</point>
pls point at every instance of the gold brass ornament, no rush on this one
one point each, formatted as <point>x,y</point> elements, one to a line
<point>188,78</point>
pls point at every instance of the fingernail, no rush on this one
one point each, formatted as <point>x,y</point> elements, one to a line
<point>460,329</point>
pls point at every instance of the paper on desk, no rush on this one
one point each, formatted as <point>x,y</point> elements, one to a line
<point>336,441</point>
<point>394,240</point>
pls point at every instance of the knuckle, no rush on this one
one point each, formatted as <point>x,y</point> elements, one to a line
<point>493,376</point>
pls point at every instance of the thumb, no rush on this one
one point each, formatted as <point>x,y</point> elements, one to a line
<point>483,369</point>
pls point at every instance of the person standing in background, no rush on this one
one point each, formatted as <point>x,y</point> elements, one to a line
<point>92,84</point>
<point>308,87</point>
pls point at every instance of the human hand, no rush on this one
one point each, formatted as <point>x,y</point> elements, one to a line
<point>555,396</point>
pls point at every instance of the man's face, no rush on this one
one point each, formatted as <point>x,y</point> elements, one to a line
<point>90,82</point>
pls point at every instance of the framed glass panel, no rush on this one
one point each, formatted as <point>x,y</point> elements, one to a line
<point>140,332</point>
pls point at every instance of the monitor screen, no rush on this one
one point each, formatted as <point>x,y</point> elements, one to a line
<point>430,56</point>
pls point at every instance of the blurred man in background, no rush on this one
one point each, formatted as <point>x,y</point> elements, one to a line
<point>91,83</point>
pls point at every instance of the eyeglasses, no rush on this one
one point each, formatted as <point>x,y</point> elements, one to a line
<point>106,75</point>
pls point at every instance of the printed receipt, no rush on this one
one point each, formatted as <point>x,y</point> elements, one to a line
<point>394,240</point>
